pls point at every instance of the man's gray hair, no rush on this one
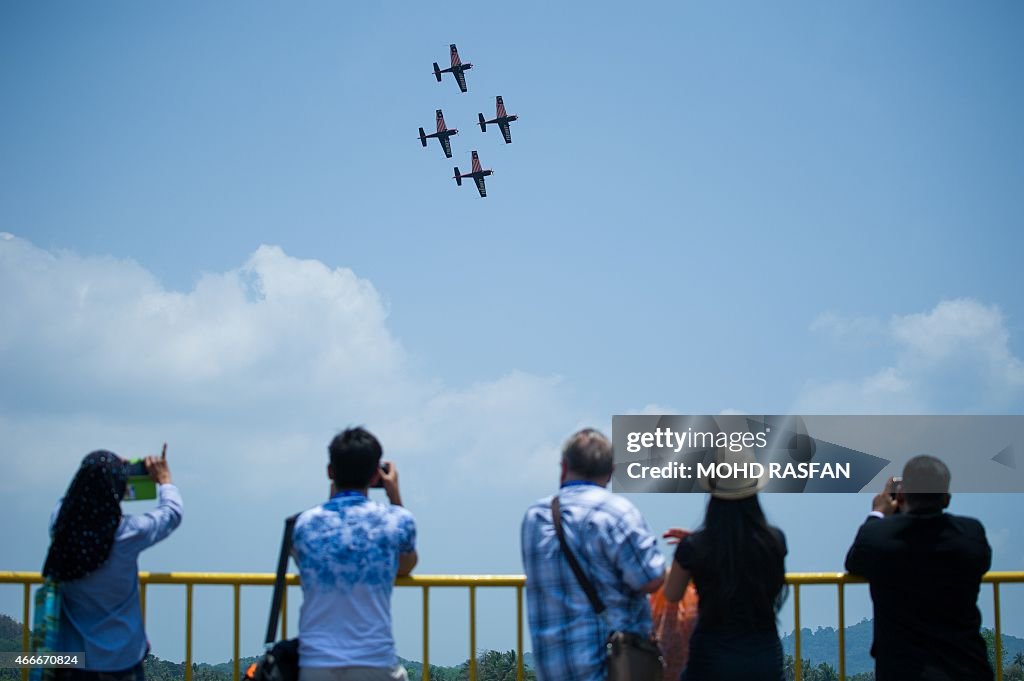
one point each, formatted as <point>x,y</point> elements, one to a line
<point>589,454</point>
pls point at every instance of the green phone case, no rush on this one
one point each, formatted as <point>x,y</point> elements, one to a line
<point>140,489</point>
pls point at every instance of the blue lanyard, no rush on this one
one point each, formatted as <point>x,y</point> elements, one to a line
<point>574,483</point>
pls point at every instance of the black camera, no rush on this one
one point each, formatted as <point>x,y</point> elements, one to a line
<point>384,468</point>
<point>897,484</point>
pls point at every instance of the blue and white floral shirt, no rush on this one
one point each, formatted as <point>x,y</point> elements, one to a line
<point>347,552</point>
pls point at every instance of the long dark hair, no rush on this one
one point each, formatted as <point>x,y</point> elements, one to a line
<point>89,517</point>
<point>746,557</point>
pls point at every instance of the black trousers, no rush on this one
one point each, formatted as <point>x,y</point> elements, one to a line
<point>734,656</point>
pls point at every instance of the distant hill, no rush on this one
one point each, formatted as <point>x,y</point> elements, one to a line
<point>10,636</point>
<point>10,629</point>
<point>822,645</point>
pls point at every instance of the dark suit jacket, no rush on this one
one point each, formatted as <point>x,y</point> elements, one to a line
<point>924,573</point>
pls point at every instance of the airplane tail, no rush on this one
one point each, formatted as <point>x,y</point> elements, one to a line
<point>437,72</point>
<point>423,137</point>
<point>483,123</point>
<point>458,176</point>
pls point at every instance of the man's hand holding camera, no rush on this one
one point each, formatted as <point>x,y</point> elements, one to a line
<point>885,501</point>
<point>389,481</point>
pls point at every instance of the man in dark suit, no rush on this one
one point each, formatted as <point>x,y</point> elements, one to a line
<point>924,567</point>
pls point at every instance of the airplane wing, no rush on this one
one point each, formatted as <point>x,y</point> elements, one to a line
<point>441,127</point>
<point>506,132</point>
<point>480,185</point>
<point>455,56</point>
<point>477,168</point>
<point>501,107</point>
<point>460,76</point>
<point>446,144</point>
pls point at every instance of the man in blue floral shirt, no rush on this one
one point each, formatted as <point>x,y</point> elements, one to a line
<point>349,551</point>
<point>616,550</point>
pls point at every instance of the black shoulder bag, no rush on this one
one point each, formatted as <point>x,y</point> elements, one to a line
<point>280,662</point>
<point>631,657</point>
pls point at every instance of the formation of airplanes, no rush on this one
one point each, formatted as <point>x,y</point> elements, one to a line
<point>443,134</point>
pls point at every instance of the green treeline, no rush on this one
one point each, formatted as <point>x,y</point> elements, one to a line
<point>494,665</point>
<point>491,666</point>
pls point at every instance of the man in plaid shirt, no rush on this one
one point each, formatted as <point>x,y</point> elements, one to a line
<point>616,550</point>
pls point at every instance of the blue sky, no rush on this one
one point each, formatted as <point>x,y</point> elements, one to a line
<point>225,235</point>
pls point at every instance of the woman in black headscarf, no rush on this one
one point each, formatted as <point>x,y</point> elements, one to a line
<point>88,519</point>
<point>93,556</point>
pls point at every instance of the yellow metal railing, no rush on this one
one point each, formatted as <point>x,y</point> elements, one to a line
<point>841,579</point>
<point>472,582</point>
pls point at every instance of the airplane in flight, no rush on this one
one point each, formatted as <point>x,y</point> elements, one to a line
<point>457,69</point>
<point>442,135</point>
<point>478,174</point>
<point>501,118</point>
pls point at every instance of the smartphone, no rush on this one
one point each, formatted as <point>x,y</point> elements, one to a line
<point>384,468</point>
<point>140,486</point>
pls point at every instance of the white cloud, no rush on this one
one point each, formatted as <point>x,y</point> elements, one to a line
<point>953,358</point>
<point>842,327</point>
<point>652,409</point>
<point>280,350</point>
<point>959,329</point>
<point>276,329</point>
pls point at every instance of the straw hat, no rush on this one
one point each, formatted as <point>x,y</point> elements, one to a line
<point>735,487</point>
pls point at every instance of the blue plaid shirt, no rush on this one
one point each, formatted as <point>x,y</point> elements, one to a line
<point>617,551</point>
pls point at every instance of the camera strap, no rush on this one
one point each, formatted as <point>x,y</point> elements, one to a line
<point>581,577</point>
<point>279,585</point>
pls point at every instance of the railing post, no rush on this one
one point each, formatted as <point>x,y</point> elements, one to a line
<point>520,672</point>
<point>797,662</point>
<point>26,625</point>
<point>999,632</point>
<point>472,633</point>
<point>142,602</point>
<point>426,633</point>
<point>237,588</point>
<point>842,630</point>
<point>188,632</point>
<point>284,610</point>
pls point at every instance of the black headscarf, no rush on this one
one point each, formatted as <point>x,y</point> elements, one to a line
<point>89,517</point>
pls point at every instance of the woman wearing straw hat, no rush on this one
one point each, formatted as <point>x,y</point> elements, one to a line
<point>737,562</point>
